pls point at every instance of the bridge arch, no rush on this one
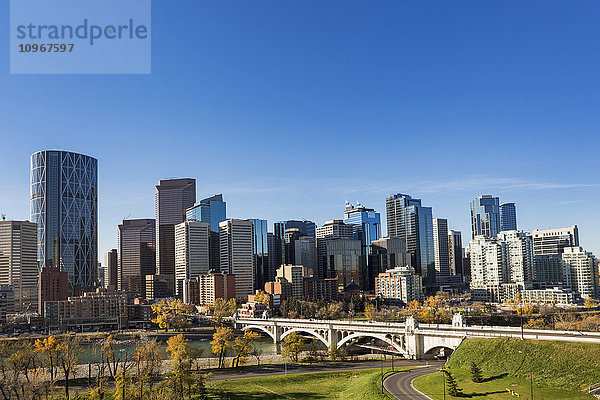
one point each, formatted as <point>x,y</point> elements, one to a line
<point>262,329</point>
<point>308,331</point>
<point>433,349</point>
<point>381,337</point>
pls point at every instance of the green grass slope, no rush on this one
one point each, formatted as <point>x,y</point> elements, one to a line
<point>566,365</point>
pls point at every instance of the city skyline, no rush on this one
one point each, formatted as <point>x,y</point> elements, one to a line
<point>449,81</point>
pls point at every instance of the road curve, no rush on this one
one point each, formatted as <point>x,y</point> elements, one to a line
<point>399,385</point>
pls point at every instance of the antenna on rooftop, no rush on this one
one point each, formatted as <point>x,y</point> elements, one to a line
<point>3,217</point>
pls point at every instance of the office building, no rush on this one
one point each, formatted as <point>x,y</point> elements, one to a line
<point>316,289</point>
<point>387,253</point>
<point>306,252</point>
<point>399,285</point>
<point>441,250</point>
<point>111,265</point>
<point>64,205</point>
<point>366,224</point>
<point>159,286</point>
<point>53,286</point>
<point>137,255</point>
<point>580,271</point>
<point>172,198</point>
<point>485,216</point>
<point>279,255</point>
<point>331,230</point>
<point>260,250</point>
<point>237,254</point>
<point>216,285</point>
<point>295,275</point>
<point>191,252</point>
<point>456,252</point>
<point>18,262</point>
<point>410,221</point>
<point>290,238</point>
<point>7,302</point>
<point>508,217</point>
<point>346,262</point>
<point>212,210</point>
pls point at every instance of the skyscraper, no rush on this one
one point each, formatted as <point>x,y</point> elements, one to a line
<point>191,252</point>
<point>237,254</point>
<point>508,217</point>
<point>306,252</point>
<point>18,262</point>
<point>441,250</point>
<point>64,205</point>
<point>366,223</point>
<point>172,198</point>
<point>485,216</point>
<point>334,229</point>
<point>456,252</point>
<point>412,222</point>
<point>260,257</point>
<point>111,262</point>
<point>137,254</point>
<point>279,256</point>
<point>212,210</point>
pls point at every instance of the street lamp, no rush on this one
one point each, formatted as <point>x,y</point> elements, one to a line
<point>530,374</point>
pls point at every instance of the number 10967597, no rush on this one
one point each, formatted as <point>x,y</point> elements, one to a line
<point>46,48</point>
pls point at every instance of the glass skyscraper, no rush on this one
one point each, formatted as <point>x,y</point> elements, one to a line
<point>367,224</point>
<point>212,210</point>
<point>260,247</point>
<point>485,216</point>
<point>410,221</point>
<point>64,205</point>
<point>508,217</point>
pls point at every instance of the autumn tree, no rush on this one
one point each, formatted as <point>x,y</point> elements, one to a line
<point>433,311</point>
<point>476,373</point>
<point>222,341</point>
<point>291,346</point>
<point>222,309</point>
<point>170,314</point>
<point>48,349</point>
<point>414,307</point>
<point>67,359</point>
<point>370,312</point>
<point>590,303</point>
<point>262,297</point>
<point>242,345</point>
<point>147,361</point>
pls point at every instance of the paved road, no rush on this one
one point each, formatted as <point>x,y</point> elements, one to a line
<point>400,385</point>
<point>321,367</point>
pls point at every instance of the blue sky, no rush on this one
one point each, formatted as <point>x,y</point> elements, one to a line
<point>291,108</point>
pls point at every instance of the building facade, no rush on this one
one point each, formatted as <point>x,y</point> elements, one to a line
<point>237,254</point>
<point>172,198</point>
<point>485,216</point>
<point>441,250</point>
<point>260,250</point>
<point>366,223</point>
<point>294,274</point>
<point>216,285</point>
<point>331,230</point>
<point>306,252</point>
<point>580,270</point>
<point>64,205</point>
<point>137,255</point>
<point>399,285</point>
<point>111,265</point>
<point>192,258</point>
<point>212,210</point>
<point>18,262</point>
<point>456,252</point>
<point>508,217</point>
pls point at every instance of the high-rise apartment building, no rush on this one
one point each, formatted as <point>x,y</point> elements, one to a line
<point>331,230</point>
<point>64,205</point>
<point>399,285</point>
<point>580,270</point>
<point>456,252</point>
<point>18,262</point>
<point>412,222</point>
<point>212,210</point>
<point>548,246</point>
<point>441,250</point>
<point>137,255</point>
<point>519,248</point>
<point>508,217</point>
<point>485,216</point>
<point>237,254</point>
<point>172,198</point>
<point>111,265</point>
<point>191,252</point>
<point>260,246</point>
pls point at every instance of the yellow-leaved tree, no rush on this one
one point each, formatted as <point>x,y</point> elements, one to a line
<point>222,341</point>
<point>170,314</point>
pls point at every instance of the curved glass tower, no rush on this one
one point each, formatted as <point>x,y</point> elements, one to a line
<point>64,204</point>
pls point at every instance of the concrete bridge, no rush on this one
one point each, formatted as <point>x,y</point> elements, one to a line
<point>410,339</point>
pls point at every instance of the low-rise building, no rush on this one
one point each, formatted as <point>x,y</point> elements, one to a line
<point>253,310</point>
<point>280,290</point>
<point>556,295</point>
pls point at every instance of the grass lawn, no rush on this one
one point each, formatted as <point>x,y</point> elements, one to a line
<point>493,388</point>
<point>359,384</point>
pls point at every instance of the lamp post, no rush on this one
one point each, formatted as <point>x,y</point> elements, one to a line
<point>530,374</point>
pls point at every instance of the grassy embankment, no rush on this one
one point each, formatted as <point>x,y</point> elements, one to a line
<point>561,370</point>
<point>359,384</point>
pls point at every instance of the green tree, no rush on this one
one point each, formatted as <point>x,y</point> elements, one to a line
<point>451,383</point>
<point>222,341</point>
<point>291,346</point>
<point>476,374</point>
